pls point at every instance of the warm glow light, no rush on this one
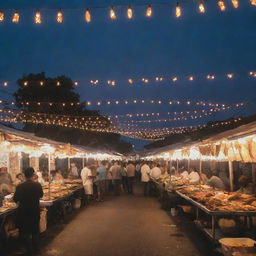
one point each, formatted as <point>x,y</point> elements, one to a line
<point>149,11</point>
<point>235,3</point>
<point>25,83</point>
<point>174,79</point>
<point>178,10</point>
<point>5,84</point>
<point>130,81</point>
<point>1,16</point>
<point>112,14</point>
<point>201,8</point>
<point>76,83</point>
<point>87,16</point>
<point>230,76</point>
<point>41,83</point>
<point>15,17</point>
<point>58,83</point>
<point>129,13</point>
<point>38,18</point>
<point>221,5</point>
<point>59,17</point>
<point>253,2</point>
<point>191,78</point>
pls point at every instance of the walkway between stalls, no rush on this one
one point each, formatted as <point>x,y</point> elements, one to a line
<point>130,225</point>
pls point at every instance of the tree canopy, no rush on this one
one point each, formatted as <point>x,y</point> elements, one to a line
<point>34,88</point>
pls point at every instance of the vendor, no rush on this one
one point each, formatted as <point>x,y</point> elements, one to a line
<point>45,179</point>
<point>73,171</point>
<point>5,177</point>
<point>193,176</point>
<point>19,179</point>
<point>28,195</point>
<point>214,180</point>
<point>57,177</point>
<point>183,172</point>
<point>245,186</point>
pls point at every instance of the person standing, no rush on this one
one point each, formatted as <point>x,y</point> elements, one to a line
<point>193,176</point>
<point>145,178</point>
<point>156,172</point>
<point>124,178</point>
<point>115,171</point>
<point>130,174</point>
<point>73,171</point>
<point>100,181</point>
<point>87,179</point>
<point>27,195</point>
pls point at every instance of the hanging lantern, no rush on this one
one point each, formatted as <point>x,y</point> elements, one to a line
<point>112,14</point>
<point>87,15</point>
<point>1,16</point>
<point>149,11</point>
<point>38,18</point>
<point>15,17</point>
<point>253,2</point>
<point>129,13</point>
<point>221,5</point>
<point>178,10</point>
<point>59,17</point>
<point>201,7</point>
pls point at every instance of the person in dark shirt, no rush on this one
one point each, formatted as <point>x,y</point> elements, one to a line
<point>27,196</point>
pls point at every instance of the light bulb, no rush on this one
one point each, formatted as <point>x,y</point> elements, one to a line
<point>221,5</point>
<point>59,17</point>
<point>129,13</point>
<point>253,2</point>
<point>201,7</point>
<point>112,14</point>
<point>149,11</point>
<point>178,10</point>
<point>87,16</point>
<point>38,18</point>
<point>15,17</point>
<point>1,16</point>
<point>235,3</point>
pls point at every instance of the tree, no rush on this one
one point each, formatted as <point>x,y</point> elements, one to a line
<point>59,91</point>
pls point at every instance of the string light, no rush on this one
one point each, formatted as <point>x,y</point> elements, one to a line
<point>58,83</point>
<point>178,10</point>
<point>1,16</point>
<point>59,17</point>
<point>15,17</point>
<point>130,81</point>
<point>76,83</point>
<point>175,79</point>
<point>191,78</point>
<point>129,13</point>
<point>87,15</point>
<point>221,5</point>
<point>41,83</point>
<point>230,76</point>
<point>201,7</point>
<point>5,83</point>
<point>25,83</point>
<point>149,11</point>
<point>38,18</point>
<point>112,14</point>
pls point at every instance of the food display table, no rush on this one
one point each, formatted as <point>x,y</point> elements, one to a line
<point>214,214</point>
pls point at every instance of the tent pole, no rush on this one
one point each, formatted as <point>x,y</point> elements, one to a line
<point>177,165</point>
<point>83,162</point>
<point>231,175</point>
<point>200,166</point>
<point>188,163</point>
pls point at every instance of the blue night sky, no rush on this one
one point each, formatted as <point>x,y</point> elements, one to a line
<point>195,44</point>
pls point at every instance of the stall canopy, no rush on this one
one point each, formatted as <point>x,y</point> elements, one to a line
<point>12,140</point>
<point>238,144</point>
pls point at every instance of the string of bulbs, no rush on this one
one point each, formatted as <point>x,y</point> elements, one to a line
<point>112,13</point>
<point>132,81</point>
<point>125,102</point>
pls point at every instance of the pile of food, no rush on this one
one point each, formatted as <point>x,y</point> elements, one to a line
<point>218,200</point>
<point>7,205</point>
<point>59,190</point>
<point>171,181</point>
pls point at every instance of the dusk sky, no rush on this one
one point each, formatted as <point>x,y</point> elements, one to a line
<point>196,44</point>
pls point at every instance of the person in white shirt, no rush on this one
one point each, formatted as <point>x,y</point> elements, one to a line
<point>145,178</point>
<point>87,178</point>
<point>156,172</point>
<point>193,176</point>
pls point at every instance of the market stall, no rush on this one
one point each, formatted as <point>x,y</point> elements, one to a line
<point>238,145</point>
